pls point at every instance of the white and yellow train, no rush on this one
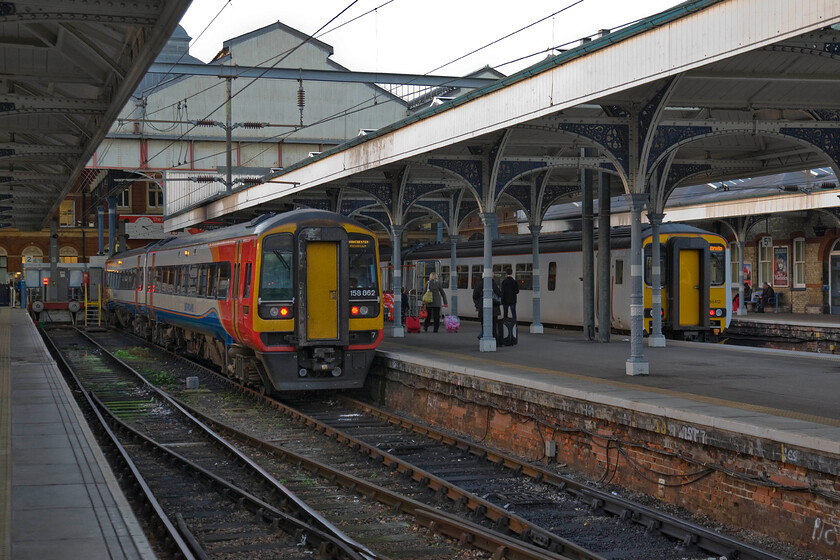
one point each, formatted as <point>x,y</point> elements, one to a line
<point>695,278</point>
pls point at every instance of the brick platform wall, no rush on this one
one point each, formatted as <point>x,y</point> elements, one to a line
<point>725,475</point>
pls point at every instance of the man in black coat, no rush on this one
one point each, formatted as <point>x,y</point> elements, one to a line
<point>510,287</point>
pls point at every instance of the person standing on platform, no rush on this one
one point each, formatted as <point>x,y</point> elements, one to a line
<point>433,308</point>
<point>405,307</point>
<point>510,287</point>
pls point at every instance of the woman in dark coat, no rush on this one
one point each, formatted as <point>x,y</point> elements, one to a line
<point>438,298</point>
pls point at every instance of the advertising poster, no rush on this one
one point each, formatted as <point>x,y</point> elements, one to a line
<point>780,266</point>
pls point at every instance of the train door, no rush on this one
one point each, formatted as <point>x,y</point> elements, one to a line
<point>323,286</point>
<point>688,286</point>
<point>241,285</point>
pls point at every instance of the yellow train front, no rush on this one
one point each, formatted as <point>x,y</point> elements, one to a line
<point>318,303</point>
<point>694,273</point>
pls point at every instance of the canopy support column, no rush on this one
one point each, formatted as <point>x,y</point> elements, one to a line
<point>637,364</point>
<point>657,339</point>
<point>488,338</point>
<point>604,258</point>
<point>397,331</point>
<point>536,325</point>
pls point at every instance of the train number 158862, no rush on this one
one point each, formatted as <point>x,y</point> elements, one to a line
<point>370,292</point>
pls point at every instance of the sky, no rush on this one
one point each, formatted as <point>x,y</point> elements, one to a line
<point>411,37</point>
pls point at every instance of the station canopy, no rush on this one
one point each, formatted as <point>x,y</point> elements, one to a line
<point>66,70</point>
<point>698,94</point>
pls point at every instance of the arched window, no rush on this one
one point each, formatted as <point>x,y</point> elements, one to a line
<point>68,254</point>
<point>32,254</point>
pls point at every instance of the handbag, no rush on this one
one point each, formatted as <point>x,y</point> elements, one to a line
<point>423,313</point>
<point>428,297</point>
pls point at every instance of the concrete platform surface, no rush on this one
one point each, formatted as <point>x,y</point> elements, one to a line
<point>788,396</point>
<point>59,498</point>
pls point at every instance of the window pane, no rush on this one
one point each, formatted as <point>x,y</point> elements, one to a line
<point>649,264</point>
<point>717,256</point>
<point>477,270</point>
<point>444,276</point>
<point>525,276</point>
<point>463,277</point>
<point>277,268</point>
<point>552,276</point>
<point>224,280</point>
<point>363,266</point>
<point>799,262</point>
<point>499,271</point>
<point>619,272</point>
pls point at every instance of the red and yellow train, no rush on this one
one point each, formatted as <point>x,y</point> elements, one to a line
<point>284,302</point>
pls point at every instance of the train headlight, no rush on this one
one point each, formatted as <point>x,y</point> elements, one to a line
<point>719,312</point>
<point>711,312</point>
<point>284,311</point>
<point>355,310</point>
<point>274,312</point>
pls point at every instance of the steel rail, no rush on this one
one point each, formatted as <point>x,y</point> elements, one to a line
<point>318,523</point>
<point>684,531</point>
<point>437,521</point>
<point>142,492</point>
<point>499,517</point>
<point>284,521</point>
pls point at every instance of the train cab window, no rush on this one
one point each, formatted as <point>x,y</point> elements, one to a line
<point>524,274</point>
<point>223,286</point>
<point>463,277</point>
<point>363,266</point>
<point>649,265</point>
<point>477,271</point>
<point>717,262</point>
<point>619,272</point>
<point>552,276</point>
<point>277,271</point>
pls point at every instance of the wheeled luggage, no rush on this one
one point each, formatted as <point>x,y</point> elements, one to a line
<point>510,336</point>
<point>452,323</point>
<point>412,324</point>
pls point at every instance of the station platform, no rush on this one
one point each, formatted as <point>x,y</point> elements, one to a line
<point>59,498</point>
<point>782,395</point>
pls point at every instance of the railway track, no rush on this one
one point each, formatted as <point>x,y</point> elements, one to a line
<point>187,469</point>
<point>284,484</point>
<point>517,498</point>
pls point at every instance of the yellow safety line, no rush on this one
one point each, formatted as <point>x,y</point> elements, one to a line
<point>5,435</point>
<point>623,385</point>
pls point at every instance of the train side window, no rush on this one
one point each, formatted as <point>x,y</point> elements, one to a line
<point>463,277</point>
<point>717,257</point>
<point>477,270</point>
<point>552,276</point>
<point>192,282</point>
<point>203,280</point>
<point>444,276</point>
<point>524,274</point>
<point>224,281</point>
<point>499,271</point>
<point>619,272</point>
<point>246,289</point>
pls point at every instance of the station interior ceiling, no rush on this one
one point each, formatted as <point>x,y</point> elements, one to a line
<point>66,70</point>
